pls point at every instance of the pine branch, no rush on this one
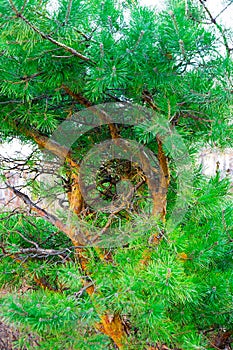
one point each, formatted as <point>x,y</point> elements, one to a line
<point>85,36</point>
<point>48,37</point>
<point>13,7</point>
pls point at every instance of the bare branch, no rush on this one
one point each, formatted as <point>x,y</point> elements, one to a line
<point>42,212</point>
<point>213,21</point>
<point>27,240</point>
<point>68,11</point>
<point>224,9</point>
<point>42,252</point>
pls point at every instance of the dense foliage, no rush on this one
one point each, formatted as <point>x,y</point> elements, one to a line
<point>160,290</point>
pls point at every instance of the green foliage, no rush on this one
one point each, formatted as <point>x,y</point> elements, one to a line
<point>172,293</point>
<point>183,289</point>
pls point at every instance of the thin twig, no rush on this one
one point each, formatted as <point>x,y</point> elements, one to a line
<point>68,11</point>
<point>213,21</point>
<point>224,9</point>
<point>83,289</point>
<point>27,240</point>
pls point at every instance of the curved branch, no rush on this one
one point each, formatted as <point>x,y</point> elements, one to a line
<point>100,113</point>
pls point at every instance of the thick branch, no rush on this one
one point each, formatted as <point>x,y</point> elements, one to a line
<point>51,145</point>
<point>74,195</point>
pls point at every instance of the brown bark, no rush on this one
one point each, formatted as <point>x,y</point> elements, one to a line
<point>161,201</point>
<point>159,195</point>
<point>100,113</point>
<point>74,193</point>
<point>54,147</point>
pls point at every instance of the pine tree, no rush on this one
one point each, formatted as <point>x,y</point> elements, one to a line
<point>167,286</point>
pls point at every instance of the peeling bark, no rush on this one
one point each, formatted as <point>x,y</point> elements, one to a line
<point>75,197</point>
<point>113,326</point>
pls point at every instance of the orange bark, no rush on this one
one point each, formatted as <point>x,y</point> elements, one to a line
<point>74,194</point>
<point>112,326</point>
<point>52,146</point>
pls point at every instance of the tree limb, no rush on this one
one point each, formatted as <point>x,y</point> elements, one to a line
<point>100,113</point>
<point>159,195</point>
<point>48,37</point>
<point>49,144</point>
